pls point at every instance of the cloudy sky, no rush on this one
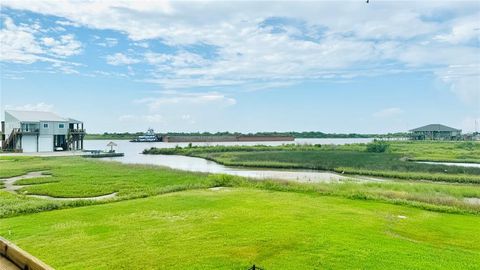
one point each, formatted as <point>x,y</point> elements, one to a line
<point>339,66</point>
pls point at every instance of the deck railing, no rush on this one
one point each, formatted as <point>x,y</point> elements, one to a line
<point>29,131</point>
<point>76,131</point>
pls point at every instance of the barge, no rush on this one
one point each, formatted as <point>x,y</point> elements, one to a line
<point>148,136</point>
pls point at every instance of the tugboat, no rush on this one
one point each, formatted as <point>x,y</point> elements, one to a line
<point>148,136</point>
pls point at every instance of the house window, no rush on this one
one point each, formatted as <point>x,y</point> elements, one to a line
<point>61,125</point>
<point>45,125</point>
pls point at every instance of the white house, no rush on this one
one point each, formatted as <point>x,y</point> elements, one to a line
<point>33,131</point>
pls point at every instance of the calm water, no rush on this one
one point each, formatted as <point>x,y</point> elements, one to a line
<point>133,156</point>
<point>474,165</point>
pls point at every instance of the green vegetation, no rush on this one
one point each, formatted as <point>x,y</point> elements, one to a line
<point>113,136</point>
<point>378,147</point>
<point>80,177</point>
<point>167,218</point>
<point>391,160</point>
<point>438,151</point>
<point>236,228</point>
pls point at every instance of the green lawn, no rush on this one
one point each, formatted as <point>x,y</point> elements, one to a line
<point>238,227</point>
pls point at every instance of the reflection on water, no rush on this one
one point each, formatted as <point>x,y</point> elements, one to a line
<point>133,155</point>
<point>474,165</point>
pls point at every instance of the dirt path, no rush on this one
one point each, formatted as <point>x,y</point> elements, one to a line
<point>12,188</point>
<point>10,182</point>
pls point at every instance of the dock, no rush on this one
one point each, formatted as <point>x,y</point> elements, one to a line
<point>101,154</point>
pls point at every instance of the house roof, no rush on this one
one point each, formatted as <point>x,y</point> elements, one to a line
<point>36,116</point>
<point>74,121</point>
<point>435,127</point>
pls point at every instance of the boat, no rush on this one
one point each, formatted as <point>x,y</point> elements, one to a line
<point>148,136</point>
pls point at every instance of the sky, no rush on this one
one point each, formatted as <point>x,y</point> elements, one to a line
<point>337,67</point>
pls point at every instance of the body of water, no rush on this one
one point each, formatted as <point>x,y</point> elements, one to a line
<point>133,155</point>
<point>473,165</point>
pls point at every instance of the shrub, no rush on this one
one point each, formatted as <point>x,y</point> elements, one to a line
<point>377,147</point>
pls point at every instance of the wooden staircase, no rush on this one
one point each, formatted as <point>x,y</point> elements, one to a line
<point>10,142</point>
<point>74,135</point>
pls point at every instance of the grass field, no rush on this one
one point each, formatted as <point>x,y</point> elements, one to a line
<point>238,227</point>
<point>164,218</point>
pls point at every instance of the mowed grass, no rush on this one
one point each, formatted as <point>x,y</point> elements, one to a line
<point>235,228</point>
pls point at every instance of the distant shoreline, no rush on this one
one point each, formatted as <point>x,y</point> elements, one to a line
<point>295,135</point>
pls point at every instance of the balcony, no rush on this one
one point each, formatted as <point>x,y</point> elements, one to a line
<point>29,131</point>
<point>77,131</point>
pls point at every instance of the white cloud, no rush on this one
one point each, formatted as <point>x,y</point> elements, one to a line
<point>179,60</point>
<point>388,113</point>
<point>463,30</point>
<point>157,58</point>
<point>142,44</point>
<point>18,44</point>
<point>186,99</point>
<point>464,81</point>
<point>65,46</point>
<point>317,46</point>
<point>121,59</point>
<point>41,106</point>
<point>26,44</point>
<point>67,23</point>
<point>108,42</point>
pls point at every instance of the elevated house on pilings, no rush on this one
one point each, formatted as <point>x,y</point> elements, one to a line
<point>33,131</point>
<point>435,132</point>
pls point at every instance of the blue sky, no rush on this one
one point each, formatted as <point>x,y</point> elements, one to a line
<point>340,67</point>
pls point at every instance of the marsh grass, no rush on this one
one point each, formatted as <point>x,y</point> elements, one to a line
<point>332,158</point>
<point>78,177</point>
